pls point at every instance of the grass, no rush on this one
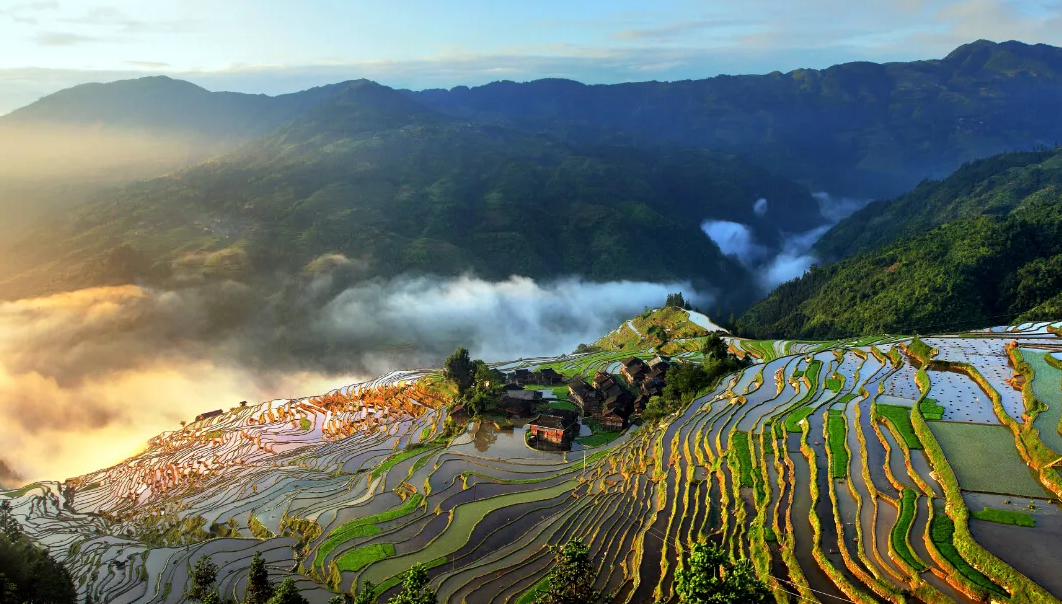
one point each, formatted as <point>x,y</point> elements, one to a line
<point>901,420</point>
<point>398,458</point>
<point>902,528</point>
<point>941,532</point>
<point>930,409</point>
<point>792,421</point>
<point>564,405</point>
<point>305,424</point>
<point>359,558</point>
<point>1005,517</point>
<point>838,431</point>
<point>598,439</point>
<point>985,459</point>
<point>833,384</point>
<point>534,592</point>
<point>364,527</point>
<point>740,442</point>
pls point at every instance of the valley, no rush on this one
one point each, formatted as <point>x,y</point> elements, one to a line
<point>842,469</point>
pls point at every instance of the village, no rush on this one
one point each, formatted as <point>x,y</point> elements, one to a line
<point>607,403</point>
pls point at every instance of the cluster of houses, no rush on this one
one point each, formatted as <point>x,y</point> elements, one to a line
<point>608,402</point>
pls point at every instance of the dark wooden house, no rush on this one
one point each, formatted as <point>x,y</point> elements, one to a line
<point>520,403</point>
<point>208,415</point>
<point>585,396</point>
<point>557,428</point>
<point>634,369</point>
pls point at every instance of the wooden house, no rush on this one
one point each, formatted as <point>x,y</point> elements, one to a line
<point>208,415</point>
<point>557,428</point>
<point>585,396</point>
<point>520,403</point>
<point>634,369</point>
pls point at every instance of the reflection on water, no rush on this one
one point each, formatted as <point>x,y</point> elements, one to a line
<point>507,443</point>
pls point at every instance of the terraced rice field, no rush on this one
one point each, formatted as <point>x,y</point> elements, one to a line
<point>815,463</point>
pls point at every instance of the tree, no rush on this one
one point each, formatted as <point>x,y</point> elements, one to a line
<point>29,573</point>
<point>708,576</point>
<point>676,300</point>
<point>204,575</point>
<point>343,599</point>
<point>367,595</point>
<point>459,369</point>
<point>212,598</point>
<point>259,588</point>
<point>715,347</point>
<point>413,589</point>
<point>571,580</point>
<point>287,593</point>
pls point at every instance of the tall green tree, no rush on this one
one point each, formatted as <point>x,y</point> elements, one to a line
<point>287,593</point>
<point>414,589</point>
<point>459,369</point>
<point>204,575</point>
<point>571,580</point>
<point>715,347</point>
<point>27,572</point>
<point>708,576</point>
<point>259,587</point>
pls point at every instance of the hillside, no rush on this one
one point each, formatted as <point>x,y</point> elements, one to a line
<point>858,129</point>
<point>840,470</point>
<point>669,330</point>
<point>60,151</point>
<point>394,187</point>
<point>983,245</point>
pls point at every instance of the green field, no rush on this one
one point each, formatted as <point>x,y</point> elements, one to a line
<point>1005,517</point>
<point>942,532</point>
<point>931,410</point>
<point>985,459</point>
<point>899,534</point>
<point>901,419</point>
<point>598,439</point>
<point>838,430</point>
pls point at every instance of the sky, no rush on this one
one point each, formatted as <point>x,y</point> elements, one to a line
<point>277,46</point>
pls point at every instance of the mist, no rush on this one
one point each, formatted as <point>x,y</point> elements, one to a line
<point>87,377</point>
<point>794,257</point>
<point>48,167</point>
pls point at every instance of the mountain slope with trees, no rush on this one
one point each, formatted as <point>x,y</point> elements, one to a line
<point>859,129</point>
<point>376,181</point>
<point>983,247</point>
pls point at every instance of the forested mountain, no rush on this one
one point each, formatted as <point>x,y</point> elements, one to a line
<point>392,186</point>
<point>859,129</point>
<point>982,247</point>
<point>162,104</point>
<point>59,151</point>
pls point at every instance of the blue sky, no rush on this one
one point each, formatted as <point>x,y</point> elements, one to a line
<point>275,46</point>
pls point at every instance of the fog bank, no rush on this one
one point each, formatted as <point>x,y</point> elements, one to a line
<point>86,377</point>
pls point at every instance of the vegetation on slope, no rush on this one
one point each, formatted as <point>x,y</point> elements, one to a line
<point>858,128</point>
<point>28,573</point>
<point>995,258</point>
<point>381,185</point>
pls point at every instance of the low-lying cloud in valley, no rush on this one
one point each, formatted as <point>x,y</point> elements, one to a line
<point>86,377</point>
<point>773,267</point>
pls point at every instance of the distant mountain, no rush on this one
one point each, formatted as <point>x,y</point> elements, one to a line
<point>982,247</point>
<point>858,129</point>
<point>58,152</point>
<point>162,104</point>
<point>394,187</point>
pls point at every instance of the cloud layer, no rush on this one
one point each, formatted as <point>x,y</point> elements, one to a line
<point>86,377</point>
<point>794,258</point>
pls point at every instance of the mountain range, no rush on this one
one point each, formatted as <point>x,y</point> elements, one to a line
<point>159,181</point>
